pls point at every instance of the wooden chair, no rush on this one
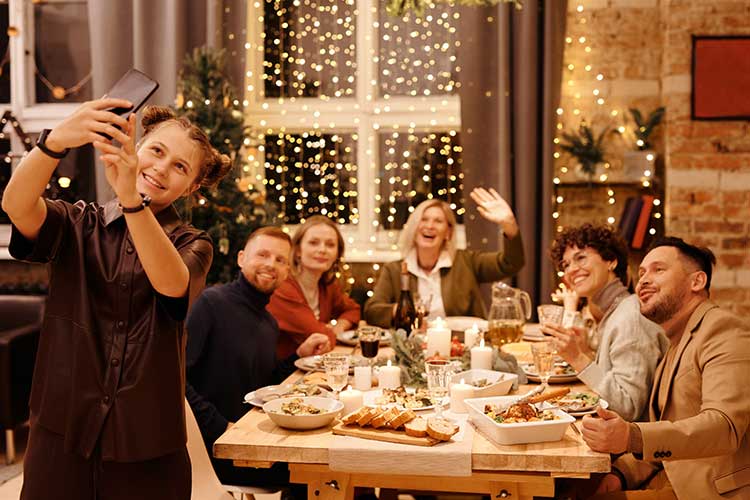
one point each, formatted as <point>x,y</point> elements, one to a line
<point>206,485</point>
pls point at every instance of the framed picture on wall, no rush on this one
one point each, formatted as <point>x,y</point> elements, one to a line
<point>720,78</point>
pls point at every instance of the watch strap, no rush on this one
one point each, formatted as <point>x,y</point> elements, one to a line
<point>41,143</point>
<point>146,201</point>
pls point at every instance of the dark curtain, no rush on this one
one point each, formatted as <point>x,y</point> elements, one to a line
<point>510,88</point>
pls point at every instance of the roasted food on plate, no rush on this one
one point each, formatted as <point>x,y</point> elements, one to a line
<point>297,407</point>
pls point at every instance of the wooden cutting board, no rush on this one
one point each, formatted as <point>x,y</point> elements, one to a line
<point>388,435</point>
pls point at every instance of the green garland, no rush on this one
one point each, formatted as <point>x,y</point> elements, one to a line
<point>409,354</point>
<point>400,8</point>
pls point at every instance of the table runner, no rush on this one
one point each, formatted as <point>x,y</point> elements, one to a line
<point>453,458</point>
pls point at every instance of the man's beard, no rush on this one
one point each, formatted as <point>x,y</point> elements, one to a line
<point>665,309</point>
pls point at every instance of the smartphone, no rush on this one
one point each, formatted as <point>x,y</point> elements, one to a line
<point>135,87</point>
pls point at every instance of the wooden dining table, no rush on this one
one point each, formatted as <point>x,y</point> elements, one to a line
<point>502,471</point>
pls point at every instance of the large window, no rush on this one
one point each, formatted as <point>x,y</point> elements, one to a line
<point>45,71</point>
<point>356,112</point>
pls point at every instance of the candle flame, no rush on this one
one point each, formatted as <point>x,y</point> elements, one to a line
<point>348,387</point>
<point>389,362</point>
<point>481,342</point>
<point>475,327</point>
<point>462,381</point>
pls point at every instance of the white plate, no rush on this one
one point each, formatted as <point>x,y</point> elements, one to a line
<point>330,409</point>
<point>531,374</point>
<point>348,337</point>
<point>500,383</point>
<point>532,333</point>
<point>461,323</point>
<point>602,402</point>
<point>315,363</point>
<point>255,397</point>
<point>371,396</point>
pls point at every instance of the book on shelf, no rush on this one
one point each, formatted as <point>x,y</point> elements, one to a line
<point>629,218</point>
<point>641,228</point>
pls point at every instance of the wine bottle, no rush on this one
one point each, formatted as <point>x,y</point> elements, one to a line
<point>406,313</point>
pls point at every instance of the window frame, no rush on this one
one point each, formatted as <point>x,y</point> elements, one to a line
<point>34,117</point>
<point>367,114</point>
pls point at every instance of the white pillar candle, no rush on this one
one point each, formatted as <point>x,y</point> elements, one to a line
<point>470,336</point>
<point>362,378</point>
<point>389,376</point>
<point>481,357</point>
<point>352,399</point>
<point>438,339</point>
<point>459,392</point>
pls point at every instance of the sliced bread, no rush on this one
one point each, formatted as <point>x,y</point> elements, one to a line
<point>417,427</point>
<point>441,429</point>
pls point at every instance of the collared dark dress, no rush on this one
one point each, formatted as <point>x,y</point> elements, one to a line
<point>109,376</point>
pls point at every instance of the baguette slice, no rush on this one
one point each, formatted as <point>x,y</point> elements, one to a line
<point>441,429</point>
<point>385,417</point>
<point>402,418</point>
<point>416,428</point>
<point>354,416</point>
<point>367,416</point>
<point>549,394</point>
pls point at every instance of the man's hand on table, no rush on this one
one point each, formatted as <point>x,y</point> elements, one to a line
<point>316,343</point>
<point>610,482</point>
<point>607,433</point>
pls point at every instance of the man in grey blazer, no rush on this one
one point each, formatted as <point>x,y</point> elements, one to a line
<point>695,445</point>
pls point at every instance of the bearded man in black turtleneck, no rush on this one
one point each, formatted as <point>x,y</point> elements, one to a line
<point>231,347</point>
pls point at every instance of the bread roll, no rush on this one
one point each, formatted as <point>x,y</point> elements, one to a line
<point>354,416</point>
<point>367,416</point>
<point>441,429</point>
<point>402,418</point>
<point>385,417</point>
<point>549,394</point>
<point>416,428</point>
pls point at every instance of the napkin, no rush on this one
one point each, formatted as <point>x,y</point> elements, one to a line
<point>452,458</point>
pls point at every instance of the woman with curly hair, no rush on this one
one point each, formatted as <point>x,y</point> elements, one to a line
<point>594,260</point>
<point>311,299</point>
<point>107,399</point>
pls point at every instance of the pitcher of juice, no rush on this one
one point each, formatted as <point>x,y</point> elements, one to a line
<point>510,309</point>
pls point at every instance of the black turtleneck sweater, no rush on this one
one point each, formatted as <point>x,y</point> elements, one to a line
<point>231,350</point>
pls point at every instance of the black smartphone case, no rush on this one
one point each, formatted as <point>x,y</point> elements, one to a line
<point>135,87</point>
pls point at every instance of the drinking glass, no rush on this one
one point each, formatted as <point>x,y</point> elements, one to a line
<point>337,370</point>
<point>544,359</point>
<point>439,373</point>
<point>550,314</point>
<point>369,341</point>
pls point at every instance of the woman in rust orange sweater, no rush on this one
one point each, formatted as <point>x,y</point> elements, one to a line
<point>311,300</point>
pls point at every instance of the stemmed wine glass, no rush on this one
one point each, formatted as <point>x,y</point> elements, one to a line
<point>337,370</point>
<point>369,342</point>
<point>544,359</point>
<point>439,372</point>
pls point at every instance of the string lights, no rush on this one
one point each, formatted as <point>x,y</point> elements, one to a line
<point>587,88</point>
<point>309,50</point>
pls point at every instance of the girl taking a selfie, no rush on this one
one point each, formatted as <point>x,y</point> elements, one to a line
<point>107,401</point>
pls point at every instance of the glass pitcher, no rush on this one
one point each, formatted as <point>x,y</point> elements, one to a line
<point>509,311</point>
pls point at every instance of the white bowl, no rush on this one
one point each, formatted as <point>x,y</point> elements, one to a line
<point>499,382</point>
<point>518,433</point>
<point>330,408</point>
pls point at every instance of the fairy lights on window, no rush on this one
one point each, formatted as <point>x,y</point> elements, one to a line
<point>310,60</point>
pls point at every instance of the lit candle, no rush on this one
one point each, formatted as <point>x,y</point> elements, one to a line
<point>481,357</point>
<point>459,392</point>
<point>438,339</point>
<point>352,399</point>
<point>363,377</point>
<point>389,376</point>
<point>470,336</point>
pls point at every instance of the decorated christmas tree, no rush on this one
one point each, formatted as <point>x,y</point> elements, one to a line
<point>234,208</point>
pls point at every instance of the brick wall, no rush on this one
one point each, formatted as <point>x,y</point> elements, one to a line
<point>643,49</point>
